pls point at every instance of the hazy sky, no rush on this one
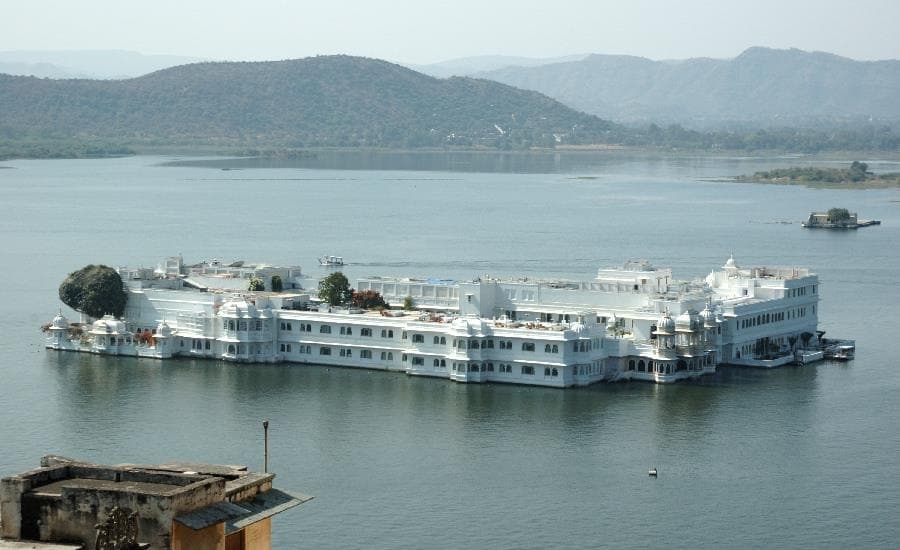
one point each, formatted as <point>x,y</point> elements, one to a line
<point>426,31</point>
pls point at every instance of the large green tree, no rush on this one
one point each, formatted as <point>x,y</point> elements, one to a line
<point>94,290</point>
<point>335,289</point>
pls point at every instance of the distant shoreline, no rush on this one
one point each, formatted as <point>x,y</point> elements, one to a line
<point>40,150</point>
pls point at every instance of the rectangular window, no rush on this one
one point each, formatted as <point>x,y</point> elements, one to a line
<point>365,354</point>
<point>325,329</point>
<point>365,332</point>
<point>418,361</point>
<point>527,346</point>
<point>324,351</point>
<point>418,339</point>
<point>527,369</point>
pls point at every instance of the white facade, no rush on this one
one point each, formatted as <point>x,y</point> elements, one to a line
<point>633,322</point>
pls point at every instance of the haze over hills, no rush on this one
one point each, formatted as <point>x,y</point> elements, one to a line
<point>470,66</point>
<point>760,87</point>
<point>96,64</point>
<point>318,101</point>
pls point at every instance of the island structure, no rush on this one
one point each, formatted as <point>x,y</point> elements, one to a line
<point>631,322</point>
<point>836,218</point>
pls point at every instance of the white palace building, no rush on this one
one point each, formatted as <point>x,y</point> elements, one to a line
<point>633,322</point>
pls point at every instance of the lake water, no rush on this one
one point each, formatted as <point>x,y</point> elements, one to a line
<point>796,457</point>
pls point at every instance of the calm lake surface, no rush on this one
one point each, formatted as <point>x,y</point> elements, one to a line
<point>795,458</point>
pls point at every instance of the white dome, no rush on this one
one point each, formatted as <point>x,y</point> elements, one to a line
<point>577,327</point>
<point>689,320</point>
<point>60,322</point>
<point>730,263</point>
<point>709,318</point>
<point>108,325</point>
<point>238,308</point>
<point>665,325</point>
<point>163,330</point>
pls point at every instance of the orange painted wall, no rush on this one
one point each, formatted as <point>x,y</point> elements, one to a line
<point>258,536</point>
<point>185,538</point>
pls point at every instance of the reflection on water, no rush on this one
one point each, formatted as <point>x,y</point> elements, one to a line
<point>795,457</point>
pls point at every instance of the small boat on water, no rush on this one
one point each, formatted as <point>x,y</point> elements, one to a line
<point>652,472</point>
<point>331,261</point>
<point>841,353</point>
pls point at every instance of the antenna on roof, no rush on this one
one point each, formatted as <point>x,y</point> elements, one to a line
<point>265,446</point>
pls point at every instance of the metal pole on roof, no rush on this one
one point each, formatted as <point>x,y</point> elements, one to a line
<point>266,446</point>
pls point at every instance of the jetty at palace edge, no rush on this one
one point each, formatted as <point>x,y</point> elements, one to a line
<point>631,322</point>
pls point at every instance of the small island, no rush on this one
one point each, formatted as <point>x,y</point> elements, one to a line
<point>857,176</point>
<point>836,218</point>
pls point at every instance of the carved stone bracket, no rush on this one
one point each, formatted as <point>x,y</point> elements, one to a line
<point>118,532</point>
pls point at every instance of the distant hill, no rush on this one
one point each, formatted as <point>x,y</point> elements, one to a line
<point>761,86</point>
<point>470,66</point>
<point>96,64</point>
<point>318,101</point>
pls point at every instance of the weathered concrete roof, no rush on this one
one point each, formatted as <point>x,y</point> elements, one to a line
<point>56,487</point>
<point>35,545</point>
<point>241,514</point>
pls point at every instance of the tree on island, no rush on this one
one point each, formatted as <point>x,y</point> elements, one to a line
<point>256,285</point>
<point>335,289</point>
<point>838,214</point>
<point>859,171</point>
<point>95,290</point>
<point>367,299</point>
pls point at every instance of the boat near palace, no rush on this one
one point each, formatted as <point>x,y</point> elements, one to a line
<point>331,261</point>
<point>634,322</point>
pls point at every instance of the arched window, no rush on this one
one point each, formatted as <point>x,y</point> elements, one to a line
<point>631,364</point>
<point>546,348</point>
<point>555,348</point>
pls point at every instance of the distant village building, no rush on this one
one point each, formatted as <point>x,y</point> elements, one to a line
<point>87,506</point>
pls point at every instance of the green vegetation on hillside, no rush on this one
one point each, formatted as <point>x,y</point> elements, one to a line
<point>857,175</point>
<point>284,108</point>
<point>327,101</point>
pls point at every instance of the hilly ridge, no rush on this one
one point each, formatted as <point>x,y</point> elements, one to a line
<point>761,87</point>
<point>318,101</point>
